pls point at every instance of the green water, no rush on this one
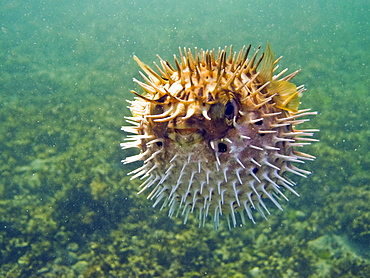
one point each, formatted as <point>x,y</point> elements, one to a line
<point>66,205</point>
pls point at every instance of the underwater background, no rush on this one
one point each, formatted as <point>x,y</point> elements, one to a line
<point>67,208</point>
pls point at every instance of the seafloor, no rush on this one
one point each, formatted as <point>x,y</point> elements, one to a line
<point>67,208</point>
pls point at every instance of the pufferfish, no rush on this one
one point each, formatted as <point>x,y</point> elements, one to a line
<point>217,134</point>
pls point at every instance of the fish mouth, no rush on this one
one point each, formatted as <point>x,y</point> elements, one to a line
<point>186,136</point>
<point>186,131</point>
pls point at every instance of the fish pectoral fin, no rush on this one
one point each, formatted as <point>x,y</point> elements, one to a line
<point>286,95</point>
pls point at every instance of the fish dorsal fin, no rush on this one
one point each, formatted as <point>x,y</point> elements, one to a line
<point>267,64</point>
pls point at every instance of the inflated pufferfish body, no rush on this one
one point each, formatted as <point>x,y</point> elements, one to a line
<point>217,134</point>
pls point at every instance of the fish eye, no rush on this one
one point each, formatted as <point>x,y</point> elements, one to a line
<point>157,109</point>
<point>230,109</point>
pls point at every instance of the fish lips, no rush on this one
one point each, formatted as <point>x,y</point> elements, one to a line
<point>186,135</point>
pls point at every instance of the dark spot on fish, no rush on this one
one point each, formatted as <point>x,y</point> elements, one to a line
<point>200,92</point>
<point>260,122</point>
<point>159,144</point>
<point>222,147</point>
<point>162,99</point>
<point>255,170</point>
<point>210,97</point>
<point>178,95</point>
